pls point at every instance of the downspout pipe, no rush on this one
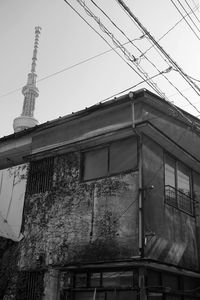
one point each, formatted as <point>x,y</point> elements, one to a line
<point>141,189</point>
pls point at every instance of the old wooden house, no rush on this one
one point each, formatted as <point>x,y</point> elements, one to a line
<point>103,204</point>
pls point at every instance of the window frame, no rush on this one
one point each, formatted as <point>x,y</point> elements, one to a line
<point>103,275</point>
<point>178,162</point>
<point>104,146</point>
<point>82,165</point>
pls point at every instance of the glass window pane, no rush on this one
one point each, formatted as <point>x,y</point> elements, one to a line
<point>81,280</point>
<point>123,155</point>
<point>170,181</point>
<point>95,164</point>
<point>170,167</point>
<point>170,280</point>
<point>95,279</point>
<point>183,186</point>
<point>183,180</point>
<point>122,279</point>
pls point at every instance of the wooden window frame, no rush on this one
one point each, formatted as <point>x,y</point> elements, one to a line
<point>176,189</point>
<point>108,147</point>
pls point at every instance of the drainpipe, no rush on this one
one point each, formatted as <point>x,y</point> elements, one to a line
<point>141,200</point>
<point>142,270</point>
<point>141,190</point>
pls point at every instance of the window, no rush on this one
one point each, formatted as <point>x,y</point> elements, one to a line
<point>40,176</point>
<point>102,285</point>
<point>95,163</point>
<point>117,157</point>
<point>178,187</point>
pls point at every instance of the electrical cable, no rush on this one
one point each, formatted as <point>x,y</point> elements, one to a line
<point>160,73</point>
<point>192,10</point>
<point>126,53</point>
<point>133,86</point>
<point>108,43</point>
<point>153,65</point>
<point>191,123</point>
<point>84,61</point>
<point>130,41</point>
<point>189,16</point>
<point>185,19</point>
<point>153,45</point>
<point>66,68</point>
<point>147,33</point>
<point>193,78</point>
<point>167,78</point>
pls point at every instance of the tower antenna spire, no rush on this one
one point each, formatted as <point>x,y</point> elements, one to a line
<point>30,92</point>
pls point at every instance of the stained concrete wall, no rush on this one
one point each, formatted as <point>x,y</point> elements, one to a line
<point>171,235</point>
<point>81,221</point>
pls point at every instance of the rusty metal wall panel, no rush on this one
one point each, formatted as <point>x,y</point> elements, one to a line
<point>170,233</point>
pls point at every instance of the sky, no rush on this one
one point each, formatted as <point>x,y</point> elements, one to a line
<point>69,78</point>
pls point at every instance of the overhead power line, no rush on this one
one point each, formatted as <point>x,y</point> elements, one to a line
<point>189,121</point>
<point>192,10</point>
<point>185,18</point>
<point>189,16</point>
<point>160,73</point>
<point>134,86</point>
<point>194,78</point>
<point>147,33</point>
<point>126,53</point>
<point>68,68</point>
<point>131,66</point>
<point>170,29</point>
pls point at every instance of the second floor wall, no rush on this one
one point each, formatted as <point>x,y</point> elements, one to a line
<point>82,206</point>
<point>171,207</point>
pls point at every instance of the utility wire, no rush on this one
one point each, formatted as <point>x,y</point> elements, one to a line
<point>185,19</point>
<point>134,86</point>
<point>147,33</point>
<point>189,16</point>
<point>170,29</point>
<point>108,43</point>
<point>192,10</point>
<point>68,68</point>
<point>160,73</point>
<point>142,54</point>
<point>189,121</point>
<point>193,78</point>
<point>126,53</point>
<point>178,90</point>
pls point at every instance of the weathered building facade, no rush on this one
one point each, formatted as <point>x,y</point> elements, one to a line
<point>111,206</point>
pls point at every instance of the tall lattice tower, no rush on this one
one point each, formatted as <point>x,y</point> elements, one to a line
<point>30,92</point>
